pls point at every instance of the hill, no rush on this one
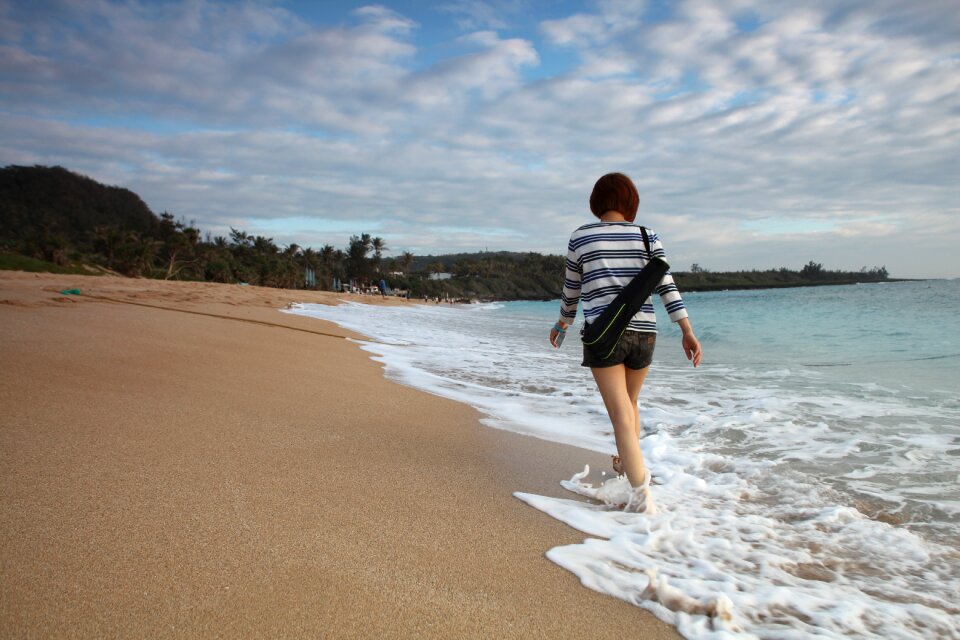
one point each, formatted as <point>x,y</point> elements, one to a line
<point>40,204</point>
<point>52,218</point>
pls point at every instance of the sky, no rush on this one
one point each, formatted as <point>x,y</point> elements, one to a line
<point>759,134</point>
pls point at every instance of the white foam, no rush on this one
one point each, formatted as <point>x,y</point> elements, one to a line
<point>735,553</point>
<point>767,477</point>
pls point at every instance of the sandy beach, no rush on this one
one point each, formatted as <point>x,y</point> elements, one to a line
<point>182,460</point>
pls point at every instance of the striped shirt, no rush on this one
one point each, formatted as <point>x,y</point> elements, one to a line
<point>602,258</point>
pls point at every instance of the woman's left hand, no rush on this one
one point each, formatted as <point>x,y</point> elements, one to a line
<point>554,332</point>
<point>691,347</point>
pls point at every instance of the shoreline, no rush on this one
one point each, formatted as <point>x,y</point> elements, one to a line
<point>211,466</point>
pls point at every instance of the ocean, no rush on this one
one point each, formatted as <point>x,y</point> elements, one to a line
<point>805,475</point>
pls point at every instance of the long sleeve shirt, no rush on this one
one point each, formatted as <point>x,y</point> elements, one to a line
<point>602,258</point>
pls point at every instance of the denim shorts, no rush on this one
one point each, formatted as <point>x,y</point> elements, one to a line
<point>635,351</point>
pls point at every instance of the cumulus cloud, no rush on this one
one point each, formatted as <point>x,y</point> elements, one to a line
<point>809,113</point>
<point>758,134</point>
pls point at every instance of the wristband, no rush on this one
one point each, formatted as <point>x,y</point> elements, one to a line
<point>559,328</point>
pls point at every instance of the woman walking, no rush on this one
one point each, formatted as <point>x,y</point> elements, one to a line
<point>602,257</point>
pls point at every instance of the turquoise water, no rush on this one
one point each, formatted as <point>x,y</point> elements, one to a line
<point>905,334</point>
<point>807,471</point>
<point>872,371</point>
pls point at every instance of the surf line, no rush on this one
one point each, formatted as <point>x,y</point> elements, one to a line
<point>849,364</point>
<point>222,317</point>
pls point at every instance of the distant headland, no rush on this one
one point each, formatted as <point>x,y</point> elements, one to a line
<point>52,219</point>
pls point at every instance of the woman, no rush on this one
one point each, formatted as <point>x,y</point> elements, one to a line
<point>602,257</point>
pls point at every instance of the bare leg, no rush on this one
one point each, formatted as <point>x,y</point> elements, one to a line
<point>635,380</point>
<point>620,387</point>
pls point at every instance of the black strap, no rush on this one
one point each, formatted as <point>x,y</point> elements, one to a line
<point>646,241</point>
<point>603,334</point>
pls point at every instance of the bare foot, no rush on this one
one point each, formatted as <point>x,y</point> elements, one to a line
<point>617,465</point>
<point>641,499</point>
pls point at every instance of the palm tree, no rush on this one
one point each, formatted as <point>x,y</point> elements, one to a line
<point>264,246</point>
<point>326,255</point>
<point>292,250</point>
<point>291,274</point>
<point>216,261</point>
<point>108,240</point>
<point>379,246</point>
<point>240,237</point>
<point>406,260</point>
<point>339,263</point>
<point>357,256</point>
<point>310,258</point>
<point>181,243</point>
<point>140,254</point>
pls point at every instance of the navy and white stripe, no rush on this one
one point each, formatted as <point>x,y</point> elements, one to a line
<point>602,258</point>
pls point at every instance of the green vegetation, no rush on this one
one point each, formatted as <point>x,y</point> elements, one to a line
<point>54,220</point>
<point>812,274</point>
<point>14,262</point>
<point>63,221</point>
<point>486,276</point>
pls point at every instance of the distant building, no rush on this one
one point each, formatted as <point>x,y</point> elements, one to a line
<point>441,276</point>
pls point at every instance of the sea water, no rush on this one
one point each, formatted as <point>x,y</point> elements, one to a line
<point>805,475</point>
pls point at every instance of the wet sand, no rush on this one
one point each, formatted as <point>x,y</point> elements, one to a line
<point>199,471</point>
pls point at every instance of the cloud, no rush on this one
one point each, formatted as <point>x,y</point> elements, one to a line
<point>581,30</point>
<point>491,71</point>
<point>759,135</point>
<point>219,64</point>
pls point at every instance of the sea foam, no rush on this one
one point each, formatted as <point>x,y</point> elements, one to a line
<point>789,502</point>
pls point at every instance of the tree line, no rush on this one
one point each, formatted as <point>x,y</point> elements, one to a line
<point>812,274</point>
<point>62,220</point>
<point>68,221</point>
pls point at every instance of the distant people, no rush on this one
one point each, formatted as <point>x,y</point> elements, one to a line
<point>602,257</point>
<point>383,288</point>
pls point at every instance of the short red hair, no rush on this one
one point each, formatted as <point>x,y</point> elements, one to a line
<point>615,192</point>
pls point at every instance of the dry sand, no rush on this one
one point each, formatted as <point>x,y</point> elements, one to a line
<point>172,474</point>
